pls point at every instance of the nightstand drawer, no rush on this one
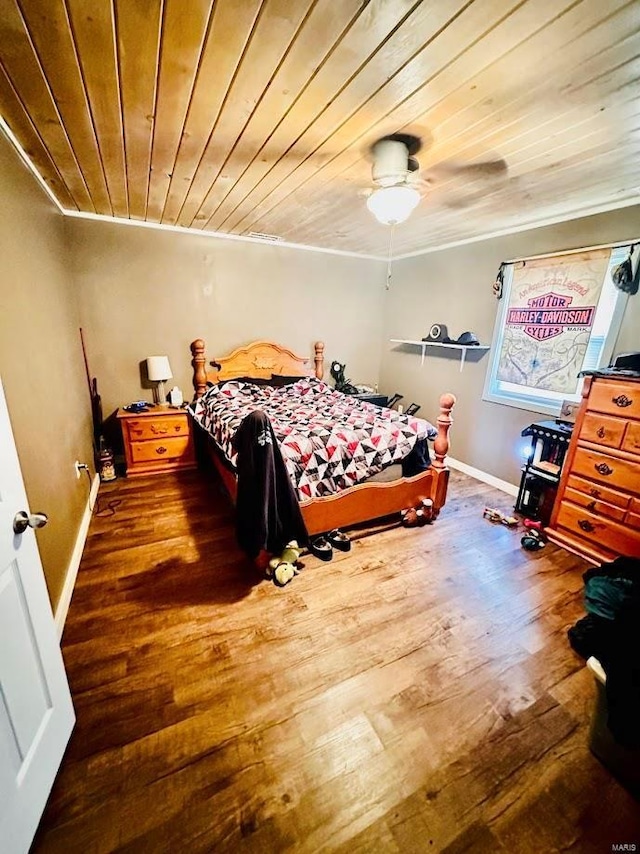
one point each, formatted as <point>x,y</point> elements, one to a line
<point>605,532</point>
<point>161,449</point>
<point>602,430</point>
<point>157,428</point>
<point>621,399</point>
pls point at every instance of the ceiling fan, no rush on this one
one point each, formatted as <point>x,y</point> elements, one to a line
<point>398,182</point>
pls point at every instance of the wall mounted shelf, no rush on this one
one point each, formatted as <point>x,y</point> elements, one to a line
<point>424,344</point>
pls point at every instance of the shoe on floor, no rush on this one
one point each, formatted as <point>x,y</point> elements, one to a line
<point>409,517</point>
<point>426,507</point>
<point>322,548</point>
<point>339,540</point>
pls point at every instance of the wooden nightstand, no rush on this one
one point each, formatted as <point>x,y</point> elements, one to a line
<point>157,441</point>
<point>371,397</point>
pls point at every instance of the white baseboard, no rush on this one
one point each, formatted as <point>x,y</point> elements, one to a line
<point>74,563</point>
<point>504,485</point>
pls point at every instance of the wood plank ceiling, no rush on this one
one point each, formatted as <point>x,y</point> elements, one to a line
<point>257,115</point>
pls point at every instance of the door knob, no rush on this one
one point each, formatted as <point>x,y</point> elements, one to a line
<point>22,521</point>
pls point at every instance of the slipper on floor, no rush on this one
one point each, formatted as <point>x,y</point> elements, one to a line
<point>339,540</point>
<point>322,548</point>
<point>427,508</point>
<point>425,512</point>
<point>410,518</point>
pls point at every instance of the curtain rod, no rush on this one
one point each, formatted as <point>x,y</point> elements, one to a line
<point>574,251</point>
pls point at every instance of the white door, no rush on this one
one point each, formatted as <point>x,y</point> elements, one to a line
<point>36,714</point>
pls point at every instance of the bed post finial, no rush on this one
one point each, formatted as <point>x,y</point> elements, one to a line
<point>199,370</point>
<point>319,358</point>
<point>441,444</point>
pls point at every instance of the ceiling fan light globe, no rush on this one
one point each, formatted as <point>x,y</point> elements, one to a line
<point>393,205</point>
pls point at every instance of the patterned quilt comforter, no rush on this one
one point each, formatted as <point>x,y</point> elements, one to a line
<point>329,441</point>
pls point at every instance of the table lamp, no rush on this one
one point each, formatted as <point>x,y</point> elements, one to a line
<point>159,370</point>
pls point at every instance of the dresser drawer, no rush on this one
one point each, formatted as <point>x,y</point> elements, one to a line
<point>157,428</point>
<point>633,520</point>
<point>632,438</point>
<point>595,490</point>
<point>601,508</point>
<point>615,398</point>
<point>161,449</point>
<point>605,469</point>
<point>618,538</point>
<point>603,430</point>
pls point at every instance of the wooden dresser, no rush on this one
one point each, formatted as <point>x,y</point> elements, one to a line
<point>597,509</point>
<point>157,441</point>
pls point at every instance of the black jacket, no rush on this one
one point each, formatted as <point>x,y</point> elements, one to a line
<point>268,512</point>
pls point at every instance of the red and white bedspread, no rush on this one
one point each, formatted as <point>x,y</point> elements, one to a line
<point>329,441</point>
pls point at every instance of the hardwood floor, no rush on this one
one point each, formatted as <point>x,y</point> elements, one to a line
<point>415,694</point>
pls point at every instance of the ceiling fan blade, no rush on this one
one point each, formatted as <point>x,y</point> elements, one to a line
<point>472,171</point>
<point>459,201</point>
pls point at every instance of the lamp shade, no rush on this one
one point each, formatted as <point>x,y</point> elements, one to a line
<point>391,205</point>
<point>158,368</point>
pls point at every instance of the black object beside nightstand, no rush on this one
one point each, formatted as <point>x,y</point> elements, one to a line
<point>368,397</point>
<point>541,472</point>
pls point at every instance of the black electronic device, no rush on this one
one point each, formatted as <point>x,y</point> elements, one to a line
<point>342,384</point>
<point>138,406</point>
<point>627,362</point>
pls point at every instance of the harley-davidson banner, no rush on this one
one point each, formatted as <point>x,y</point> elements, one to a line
<point>548,322</point>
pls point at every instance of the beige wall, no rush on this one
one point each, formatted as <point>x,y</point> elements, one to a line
<point>41,362</point>
<point>145,292</point>
<point>454,287</point>
<point>140,292</point>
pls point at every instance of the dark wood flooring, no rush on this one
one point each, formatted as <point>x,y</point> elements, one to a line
<point>416,694</point>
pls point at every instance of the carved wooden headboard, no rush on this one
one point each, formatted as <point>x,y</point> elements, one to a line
<point>258,360</point>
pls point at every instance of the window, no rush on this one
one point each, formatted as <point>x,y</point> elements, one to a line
<point>558,316</point>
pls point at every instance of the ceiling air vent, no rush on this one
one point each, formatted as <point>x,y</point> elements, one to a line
<point>259,235</point>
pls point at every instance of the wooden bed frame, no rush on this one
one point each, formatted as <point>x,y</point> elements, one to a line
<point>363,502</point>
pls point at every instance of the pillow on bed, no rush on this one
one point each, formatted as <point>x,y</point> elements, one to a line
<point>279,380</point>
<point>252,380</point>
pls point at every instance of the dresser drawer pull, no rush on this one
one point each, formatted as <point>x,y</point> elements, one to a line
<point>622,400</point>
<point>601,432</point>
<point>595,492</point>
<point>159,430</point>
<point>161,450</point>
<point>591,505</point>
<point>586,525</point>
<point>603,468</point>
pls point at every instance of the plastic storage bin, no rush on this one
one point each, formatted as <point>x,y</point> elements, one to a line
<point>623,763</point>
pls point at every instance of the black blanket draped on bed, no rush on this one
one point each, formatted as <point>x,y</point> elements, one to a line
<point>268,513</point>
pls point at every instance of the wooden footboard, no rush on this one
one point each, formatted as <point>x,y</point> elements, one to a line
<point>368,501</point>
